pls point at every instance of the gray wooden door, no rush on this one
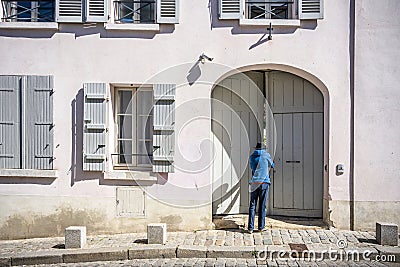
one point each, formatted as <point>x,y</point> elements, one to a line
<point>237,123</point>
<point>297,180</point>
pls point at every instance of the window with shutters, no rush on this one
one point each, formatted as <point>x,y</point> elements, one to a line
<point>278,10</point>
<point>134,128</point>
<point>28,11</point>
<point>26,122</point>
<point>145,11</point>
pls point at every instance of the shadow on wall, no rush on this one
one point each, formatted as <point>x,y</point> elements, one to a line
<point>85,29</point>
<point>76,169</point>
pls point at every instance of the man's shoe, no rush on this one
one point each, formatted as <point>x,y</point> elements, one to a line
<point>262,230</point>
<point>250,231</point>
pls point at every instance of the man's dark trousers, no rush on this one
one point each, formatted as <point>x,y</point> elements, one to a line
<point>260,194</point>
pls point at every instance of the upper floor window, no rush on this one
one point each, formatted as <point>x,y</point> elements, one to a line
<point>131,11</point>
<point>28,11</point>
<point>271,9</point>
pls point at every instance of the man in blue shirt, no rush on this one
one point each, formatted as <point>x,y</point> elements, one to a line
<point>260,162</point>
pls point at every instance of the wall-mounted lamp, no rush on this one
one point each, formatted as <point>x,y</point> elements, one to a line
<point>203,57</point>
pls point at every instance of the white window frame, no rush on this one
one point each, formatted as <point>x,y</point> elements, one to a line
<point>135,142</point>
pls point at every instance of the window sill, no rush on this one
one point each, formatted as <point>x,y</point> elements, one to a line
<point>28,173</point>
<point>133,27</point>
<point>29,25</point>
<point>266,22</point>
<point>130,175</point>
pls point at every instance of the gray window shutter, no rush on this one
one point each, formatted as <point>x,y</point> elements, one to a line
<point>311,9</point>
<point>94,126</point>
<point>38,126</point>
<point>10,122</point>
<point>164,127</point>
<point>230,9</point>
<point>96,11</point>
<point>168,11</point>
<point>69,11</point>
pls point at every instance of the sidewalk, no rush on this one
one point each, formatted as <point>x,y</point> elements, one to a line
<point>213,244</point>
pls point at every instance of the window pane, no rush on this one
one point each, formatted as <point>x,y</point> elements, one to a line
<point>24,10</point>
<point>125,103</point>
<point>144,102</point>
<point>124,127</point>
<point>145,148</point>
<point>46,11</point>
<point>147,11</point>
<point>125,152</point>
<point>144,127</point>
<point>126,11</point>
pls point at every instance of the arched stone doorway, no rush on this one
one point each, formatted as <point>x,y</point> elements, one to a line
<point>240,110</point>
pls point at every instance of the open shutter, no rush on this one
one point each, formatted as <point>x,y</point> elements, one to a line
<point>94,127</point>
<point>168,11</point>
<point>39,127</point>
<point>69,11</point>
<point>96,11</point>
<point>230,9</point>
<point>164,127</point>
<point>311,9</point>
<point>10,144</point>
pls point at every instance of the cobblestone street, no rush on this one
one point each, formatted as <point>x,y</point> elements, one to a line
<point>223,262</point>
<point>201,238</point>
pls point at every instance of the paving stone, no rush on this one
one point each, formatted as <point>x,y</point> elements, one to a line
<point>315,239</point>
<point>389,252</point>
<point>251,262</point>
<point>220,263</point>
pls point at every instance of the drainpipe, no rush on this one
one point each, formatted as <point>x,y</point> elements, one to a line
<point>351,54</point>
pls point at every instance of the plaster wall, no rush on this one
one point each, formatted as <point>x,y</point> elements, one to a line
<point>76,53</point>
<point>376,127</point>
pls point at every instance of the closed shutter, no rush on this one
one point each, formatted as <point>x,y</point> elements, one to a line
<point>69,11</point>
<point>10,143</point>
<point>168,11</point>
<point>164,127</point>
<point>39,127</point>
<point>311,9</point>
<point>94,127</point>
<point>96,11</point>
<point>230,9</point>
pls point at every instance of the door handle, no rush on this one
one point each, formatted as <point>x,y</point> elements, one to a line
<point>293,161</point>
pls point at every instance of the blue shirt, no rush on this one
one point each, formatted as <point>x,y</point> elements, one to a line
<point>260,162</point>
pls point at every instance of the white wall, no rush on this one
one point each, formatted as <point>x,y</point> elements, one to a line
<point>318,51</point>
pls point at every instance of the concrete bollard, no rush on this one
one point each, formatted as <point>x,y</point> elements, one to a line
<point>157,233</point>
<point>387,233</point>
<point>75,237</point>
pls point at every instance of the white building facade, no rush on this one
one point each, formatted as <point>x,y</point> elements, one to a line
<point>116,114</point>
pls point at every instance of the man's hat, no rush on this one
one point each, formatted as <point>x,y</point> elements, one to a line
<point>258,146</point>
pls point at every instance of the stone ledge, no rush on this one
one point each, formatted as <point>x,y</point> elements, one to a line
<point>41,257</point>
<point>29,25</point>
<point>27,173</point>
<point>231,252</point>
<point>186,251</point>
<point>98,254</point>
<point>152,252</point>
<point>132,27</point>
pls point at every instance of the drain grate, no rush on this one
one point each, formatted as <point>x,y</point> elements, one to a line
<point>298,247</point>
